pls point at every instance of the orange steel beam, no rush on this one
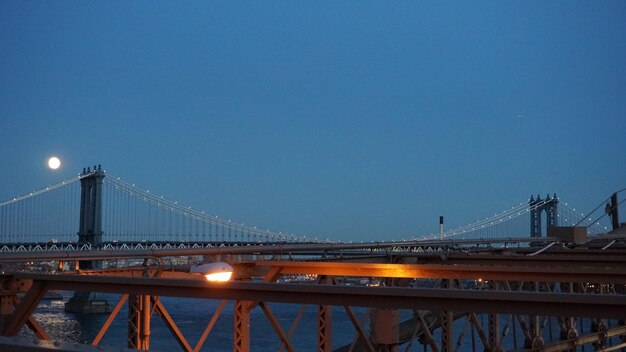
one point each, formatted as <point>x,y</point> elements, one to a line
<point>440,271</point>
<point>241,327</point>
<point>324,321</point>
<point>272,276</point>
<point>25,308</point>
<point>359,328</point>
<point>32,324</point>
<point>133,337</point>
<point>110,318</point>
<point>428,337</point>
<point>276,325</point>
<point>503,267</point>
<point>509,256</point>
<point>487,270</point>
<point>145,324</point>
<point>37,329</point>
<point>210,326</point>
<point>579,259</point>
<point>294,325</point>
<point>557,304</point>
<point>171,325</point>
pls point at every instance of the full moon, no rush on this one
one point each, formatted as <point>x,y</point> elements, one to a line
<point>54,163</point>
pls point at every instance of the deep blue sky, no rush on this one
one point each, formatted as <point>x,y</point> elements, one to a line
<point>349,120</point>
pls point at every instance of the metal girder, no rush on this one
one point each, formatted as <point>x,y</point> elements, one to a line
<point>583,340</point>
<point>37,329</point>
<point>324,328</point>
<point>547,267</point>
<point>428,337</point>
<point>268,248</point>
<point>324,320</point>
<point>572,260</point>
<point>25,308</point>
<point>494,325</point>
<point>11,303</point>
<point>246,249</point>
<point>276,325</point>
<point>447,320</point>
<point>360,330</point>
<point>134,322</point>
<point>272,276</point>
<point>476,325</point>
<point>294,325</point>
<point>241,338</point>
<point>109,320</point>
<point>440,271</point>
<point>9,289</point>
<point>210,326</point>
<point>496,302</point>
<point>273,248</point>
<point>171,325</point>
<point>557,304</point>
<point>139,313</point>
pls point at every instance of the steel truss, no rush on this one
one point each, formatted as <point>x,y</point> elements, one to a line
<point>518,297</point>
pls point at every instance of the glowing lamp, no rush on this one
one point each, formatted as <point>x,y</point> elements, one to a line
<point>217,271</point>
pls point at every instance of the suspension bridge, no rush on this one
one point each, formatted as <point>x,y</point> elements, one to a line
<point>538,276</point>
<point>97,210</point>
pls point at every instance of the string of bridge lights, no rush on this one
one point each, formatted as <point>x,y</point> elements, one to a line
<point>578,217</point>
<point>187,211</point>
<point>41,191</point>
<point>160,201</point>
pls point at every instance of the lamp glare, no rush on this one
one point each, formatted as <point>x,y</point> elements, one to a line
<point>221,276</point>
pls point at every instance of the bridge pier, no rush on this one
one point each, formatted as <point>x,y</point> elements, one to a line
<point>87,303</point>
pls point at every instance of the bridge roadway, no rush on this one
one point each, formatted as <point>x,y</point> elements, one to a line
<point>577,288</point>
<point>314,247</point>
<point>17,252</point>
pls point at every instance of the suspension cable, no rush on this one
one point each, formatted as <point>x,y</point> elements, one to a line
<point>594,209</point>
<point>510,214</point>
<point>187,212</point>
<point>43,190</point>
<point>603,215</point>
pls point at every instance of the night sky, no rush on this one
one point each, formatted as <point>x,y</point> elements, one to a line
<point>349,120</point>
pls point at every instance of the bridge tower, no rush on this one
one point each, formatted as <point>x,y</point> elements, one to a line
<point>90,226</point>
<point>537,206</point>
<point>90,232</point>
